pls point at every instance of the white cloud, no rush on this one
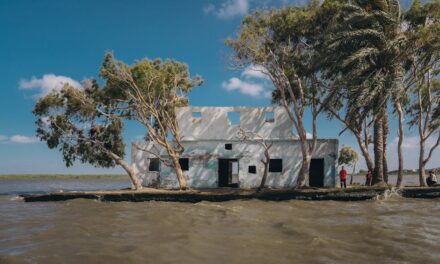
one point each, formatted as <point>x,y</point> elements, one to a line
<point>245,87</point>
<point>47,83</point>
<point>228,9</point>
<point>23,139</point>
<point>309,135</point>
<point>254,82</point>
<point>254,71</point>
<point>18,139</point>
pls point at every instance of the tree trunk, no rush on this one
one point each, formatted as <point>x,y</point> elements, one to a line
<point>386,131</point>
<point>179,173</point>
<point>263,180</point>
<point>304,172</point>
<point>422,177</point>
<point>136,183</point>
<point>399,144</point>
<point>365,152</point>
<point>351,177</point>
<point>378,149</point>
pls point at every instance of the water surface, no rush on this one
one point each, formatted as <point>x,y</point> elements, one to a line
<point>392,230</point>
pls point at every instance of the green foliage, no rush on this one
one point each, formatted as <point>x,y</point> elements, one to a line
<point>423,63</point>
<point>361,51</point>
<point>149,91</point>
<point>86,124</point>
<point>281,40</point>
<point>347,156</point>
<point>70,120</point>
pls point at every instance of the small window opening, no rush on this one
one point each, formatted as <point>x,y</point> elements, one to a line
<point>234,118</point>
<point>154,164</point>
<point>270,117</point>
<point>197,114</point>
<point>252,169</point>
<point>275,165</point>
<point>228,146</point>
<point>184,163</point>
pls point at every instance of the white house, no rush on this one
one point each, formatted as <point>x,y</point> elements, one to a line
<point>215,156</point>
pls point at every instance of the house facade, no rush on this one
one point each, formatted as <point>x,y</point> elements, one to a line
<point>216,156</point>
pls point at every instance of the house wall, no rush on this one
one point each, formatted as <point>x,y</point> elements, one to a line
<point>203,163</point>
<point>213,124</point>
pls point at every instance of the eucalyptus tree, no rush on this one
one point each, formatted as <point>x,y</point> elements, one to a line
<point>152,90</point>
<point>423,68</point>
<point>279,41</point>
<point>86,124</point>
<point>362,50</point>
<point>83,127</point>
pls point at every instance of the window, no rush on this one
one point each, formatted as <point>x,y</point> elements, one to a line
<point>252,169</point>
<point>154,164</point>
<point>196,114</point>
<point>234,118</point>
<point>275,165</point>
<point>270,117</point>
<point>184,164</point>
<point>228,146</point>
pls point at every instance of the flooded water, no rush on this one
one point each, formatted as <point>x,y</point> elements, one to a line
<point>391,230</point>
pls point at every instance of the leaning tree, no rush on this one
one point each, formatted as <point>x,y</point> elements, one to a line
<point>422,71</point>
<point>83,127</point>
<point>86,124</point>
<point>152,90</point>
<point>280,43</point>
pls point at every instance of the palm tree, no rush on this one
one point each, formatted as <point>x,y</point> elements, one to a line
<point>362,49</point>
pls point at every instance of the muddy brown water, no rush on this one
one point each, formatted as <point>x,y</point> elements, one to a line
<point>387,230</point>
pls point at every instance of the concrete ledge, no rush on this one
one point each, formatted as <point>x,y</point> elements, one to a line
<point>221,195</point>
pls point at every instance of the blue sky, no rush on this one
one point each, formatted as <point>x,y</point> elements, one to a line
<point>45,42</point>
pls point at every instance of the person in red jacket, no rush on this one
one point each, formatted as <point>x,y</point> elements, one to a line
<point>343,177</point>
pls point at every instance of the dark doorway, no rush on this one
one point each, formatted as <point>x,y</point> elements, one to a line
<point>227,173</point>
<point>316,173</point>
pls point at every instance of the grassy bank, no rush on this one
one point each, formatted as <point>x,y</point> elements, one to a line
<point>60,176</point>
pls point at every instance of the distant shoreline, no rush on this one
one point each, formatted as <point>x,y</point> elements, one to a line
<point>60,176</point>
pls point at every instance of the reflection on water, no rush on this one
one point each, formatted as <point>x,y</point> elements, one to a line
<point>393,230</point>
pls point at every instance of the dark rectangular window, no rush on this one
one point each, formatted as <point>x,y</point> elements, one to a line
<point>275,165</point>
<point>184,164</point>
<point>228,146</point>
<point>252,169</point>
<point>154,164</point>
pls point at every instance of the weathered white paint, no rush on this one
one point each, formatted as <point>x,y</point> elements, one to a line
<point>204,140</point>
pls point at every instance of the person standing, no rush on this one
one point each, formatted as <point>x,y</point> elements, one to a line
<point>343,177</point>
<point>368,178</point>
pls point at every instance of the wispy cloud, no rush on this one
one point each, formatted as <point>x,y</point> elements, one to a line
<point>228,9</point>
<point>246,87</point>
<point>254,82</point>
<point>44,85</point>
<point>254,71</point>
<point>18,139</point>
